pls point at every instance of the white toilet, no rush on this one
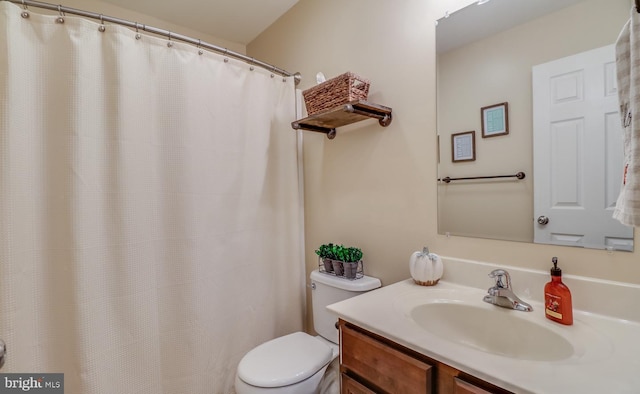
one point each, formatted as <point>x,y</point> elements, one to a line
<point>296,363</point>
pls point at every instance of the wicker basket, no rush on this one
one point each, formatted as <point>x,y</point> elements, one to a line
<point>336,91</point>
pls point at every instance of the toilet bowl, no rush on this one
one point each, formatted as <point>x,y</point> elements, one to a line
<point>291,364</point>
<point>296,363</point>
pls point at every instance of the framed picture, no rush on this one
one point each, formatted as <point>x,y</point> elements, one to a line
<point>463,146</point>
<point>495,120</point>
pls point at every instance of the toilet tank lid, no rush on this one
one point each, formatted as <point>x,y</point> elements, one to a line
<point>365,283</point>
<point>284,361</point>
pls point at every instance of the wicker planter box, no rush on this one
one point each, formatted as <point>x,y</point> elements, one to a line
<point>341,269</point>
<point>351,270</point>
<point>338,267</point>
<point>335,92</point>
<point>327,264</point>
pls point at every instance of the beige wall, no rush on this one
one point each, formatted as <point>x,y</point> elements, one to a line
<point>494,70</point>
<point>375,187</point>
<point>370,187</point>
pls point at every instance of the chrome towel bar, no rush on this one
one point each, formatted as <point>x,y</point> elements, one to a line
<point>520,175</point>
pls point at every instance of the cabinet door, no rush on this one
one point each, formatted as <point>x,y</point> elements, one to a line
<point>387,369</point>
<point>350,386</point>
<point>462,387</point>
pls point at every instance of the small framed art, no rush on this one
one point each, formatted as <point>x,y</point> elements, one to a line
<point>495,120</point>
<point>463,146</point>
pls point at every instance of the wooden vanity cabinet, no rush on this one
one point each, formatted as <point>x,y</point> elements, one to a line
<point>380,367</point>
<point>462,387</point>
<point>351,386</point>
<point>371,364</point>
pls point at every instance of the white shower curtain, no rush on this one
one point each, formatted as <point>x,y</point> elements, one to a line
<point>149,211</point>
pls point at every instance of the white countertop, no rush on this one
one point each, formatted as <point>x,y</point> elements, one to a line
<point>610,364</point>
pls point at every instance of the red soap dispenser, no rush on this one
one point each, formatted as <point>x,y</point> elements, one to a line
<point>557,298</point>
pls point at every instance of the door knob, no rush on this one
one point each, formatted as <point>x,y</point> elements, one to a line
<point>543,220</point>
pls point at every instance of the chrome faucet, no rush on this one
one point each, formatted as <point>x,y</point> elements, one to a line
<point>502,295</point>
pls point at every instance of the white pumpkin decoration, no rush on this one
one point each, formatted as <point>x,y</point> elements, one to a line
<point>426,268</point>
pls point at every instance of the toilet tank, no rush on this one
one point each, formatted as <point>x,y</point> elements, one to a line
<point>327,289</point>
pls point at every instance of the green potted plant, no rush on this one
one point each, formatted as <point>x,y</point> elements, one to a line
<point>339,259</point>
<point>326,256</point>
<point>350,259</point>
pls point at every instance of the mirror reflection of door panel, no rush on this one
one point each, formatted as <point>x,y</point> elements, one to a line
<point>578,151</point>
<point>485,54</point>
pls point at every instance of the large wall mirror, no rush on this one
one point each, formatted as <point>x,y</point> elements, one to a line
<point>528,88</point>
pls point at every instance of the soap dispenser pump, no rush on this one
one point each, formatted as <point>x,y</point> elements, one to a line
<point>557,298</point>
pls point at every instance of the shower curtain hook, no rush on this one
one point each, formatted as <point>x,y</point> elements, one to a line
<point>200,51</point>
<point>169,44</point>
<point>253,60</point>
<point>226,59</point>
<point>102,28</point>
<point>60,19</point>
<point>24,13</point>
<point>138,35</point>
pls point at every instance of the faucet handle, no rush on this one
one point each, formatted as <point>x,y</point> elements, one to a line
<point>498,274</point>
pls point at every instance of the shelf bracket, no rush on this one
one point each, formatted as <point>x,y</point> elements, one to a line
<point>384,117</point>
<point>327,121</point>
<point>330,132</point>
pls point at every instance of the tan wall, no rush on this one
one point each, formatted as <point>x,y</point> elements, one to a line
<point>494,70</point>
<point>100,7</point>
<point>370,187</point>
<point>375,187</point>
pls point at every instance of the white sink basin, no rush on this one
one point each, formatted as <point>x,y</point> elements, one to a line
<point>498,330</point>
<point>462,318</point>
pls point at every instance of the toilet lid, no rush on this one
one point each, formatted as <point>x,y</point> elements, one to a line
<point>283,361</point>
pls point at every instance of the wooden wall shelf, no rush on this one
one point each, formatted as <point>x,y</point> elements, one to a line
<point>352,112</point>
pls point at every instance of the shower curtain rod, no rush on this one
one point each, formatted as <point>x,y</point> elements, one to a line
<point>161,32</point>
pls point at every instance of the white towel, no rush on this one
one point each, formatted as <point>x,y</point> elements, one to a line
<point>627,209</point>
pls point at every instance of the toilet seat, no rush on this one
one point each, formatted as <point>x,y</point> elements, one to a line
<point>284,361</point>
